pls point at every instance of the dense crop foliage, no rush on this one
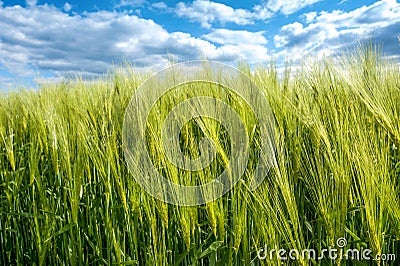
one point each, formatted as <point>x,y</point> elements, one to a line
<point>66,196</point>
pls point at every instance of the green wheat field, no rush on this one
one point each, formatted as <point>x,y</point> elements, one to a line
<point>67,197</point>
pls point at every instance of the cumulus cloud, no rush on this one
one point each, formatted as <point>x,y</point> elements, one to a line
<point>336,30</point>
<point>207,13</point>
<point>67,7</point>
<point>31,3</point>
<point>288,7</point>
<point>225,36</point>
<point>239,44</point>
<point>130,3</point>
<point>309,17</point>
<point>160,5</point>
<point>44,38</point>
<point>50,39</point>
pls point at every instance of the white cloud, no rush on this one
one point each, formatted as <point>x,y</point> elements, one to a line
<point>207,12</point>
<point>288,7</point>
<point>130,3</point>
<point>50,39</point>
<point>45,38</point>
<point>160,5</point>
<point>256,53</point>
<point>380,13</point>
<point>309,17</point>
<point>239,44</point>
<point>67,7</point>
<point>225,36</point>
<point>333,31</point>
<point>260,12</point>
<point>31,3</point>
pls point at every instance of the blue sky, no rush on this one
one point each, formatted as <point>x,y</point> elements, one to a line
<point>45,41</point>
